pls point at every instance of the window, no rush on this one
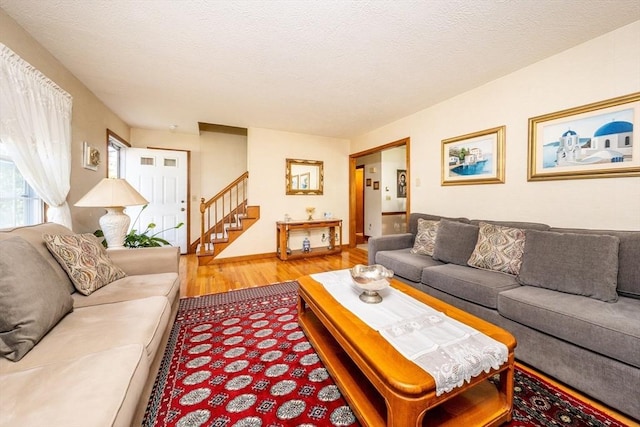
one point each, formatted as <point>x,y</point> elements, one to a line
<point>115,146</point>
<point>19,203</point>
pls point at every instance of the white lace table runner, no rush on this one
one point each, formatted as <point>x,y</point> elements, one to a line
<point>450,351</point>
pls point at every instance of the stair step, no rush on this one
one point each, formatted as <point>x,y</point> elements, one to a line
<point>232,230</point>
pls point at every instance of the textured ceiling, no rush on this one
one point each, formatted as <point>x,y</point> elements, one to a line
<point>333,68</point>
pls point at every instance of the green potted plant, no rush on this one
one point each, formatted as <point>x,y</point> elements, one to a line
<point>133,239</point>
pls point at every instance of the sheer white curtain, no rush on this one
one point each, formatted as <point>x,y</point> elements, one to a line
<point>35,125</point>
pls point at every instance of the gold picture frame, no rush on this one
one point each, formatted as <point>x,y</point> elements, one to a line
<point>90,157</point>
<point>591,141</point>
<point>474,158</point>
<point>304,177</point>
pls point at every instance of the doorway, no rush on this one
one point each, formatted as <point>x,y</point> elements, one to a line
<point>381,203</point>
<point>161,177</point>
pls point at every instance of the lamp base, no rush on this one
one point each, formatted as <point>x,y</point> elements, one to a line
<point>114,225</point>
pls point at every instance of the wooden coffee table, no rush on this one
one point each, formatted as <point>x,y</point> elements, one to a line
<point>384,388</point>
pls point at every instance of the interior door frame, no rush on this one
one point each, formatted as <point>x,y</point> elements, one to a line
<point>359,194</point>
<point>352,181</point>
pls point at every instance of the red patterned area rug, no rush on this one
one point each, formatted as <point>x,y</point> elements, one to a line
<point>240,359</point>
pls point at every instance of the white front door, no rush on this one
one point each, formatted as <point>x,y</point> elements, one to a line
<point>161,177</point>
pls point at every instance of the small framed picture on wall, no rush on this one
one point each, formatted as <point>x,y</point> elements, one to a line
<point>90,157</point>
<point>401,183</point>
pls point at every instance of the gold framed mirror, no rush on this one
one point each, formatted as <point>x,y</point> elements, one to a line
<point>304,176</point>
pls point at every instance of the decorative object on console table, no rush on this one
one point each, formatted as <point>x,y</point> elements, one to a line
<point>113,194</point>
<point>310,210</point>
<point>475,158</point>
<point>591,141</point>
<point>285,228</point>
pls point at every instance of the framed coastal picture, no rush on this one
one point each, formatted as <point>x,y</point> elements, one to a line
<point>591,141</point>
<point>475,158</point>
<point>295,182</point>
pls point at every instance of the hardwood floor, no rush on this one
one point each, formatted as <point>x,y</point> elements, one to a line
<point>197,281</point>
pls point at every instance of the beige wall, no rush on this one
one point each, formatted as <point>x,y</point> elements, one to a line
<point>89,122</point>
<point>266,154</point>
<point>603,68</point>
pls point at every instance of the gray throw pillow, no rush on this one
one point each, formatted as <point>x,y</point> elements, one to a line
<point>32,299</point>
<point>579,264</point>
<point>455,242</point>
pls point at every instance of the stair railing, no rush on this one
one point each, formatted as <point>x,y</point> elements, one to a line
<point>222,211</point>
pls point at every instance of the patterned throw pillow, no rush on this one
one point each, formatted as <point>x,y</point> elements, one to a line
<point>426,237</point>
<point>499,249</point>
<point>84,259</point>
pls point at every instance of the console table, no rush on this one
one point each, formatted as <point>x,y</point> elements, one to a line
<point>283,228</point>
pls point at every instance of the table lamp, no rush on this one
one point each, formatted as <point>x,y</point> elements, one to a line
<point>113,194</point>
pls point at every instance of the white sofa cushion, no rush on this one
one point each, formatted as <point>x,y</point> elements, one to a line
<point>97,328</point>
<point>59,394</point>
<point>131,288</point>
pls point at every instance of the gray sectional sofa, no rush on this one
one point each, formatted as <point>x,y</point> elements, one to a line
<point>571,297</point>
<point>70,359</point>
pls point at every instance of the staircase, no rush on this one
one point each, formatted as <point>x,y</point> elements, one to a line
<point>223,219</point>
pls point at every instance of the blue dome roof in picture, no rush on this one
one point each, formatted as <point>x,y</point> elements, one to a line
<point>606,138</point>
<point>613,128</point>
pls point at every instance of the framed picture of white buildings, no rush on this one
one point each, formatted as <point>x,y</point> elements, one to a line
<point>475,158</point>
<point>592,141</point>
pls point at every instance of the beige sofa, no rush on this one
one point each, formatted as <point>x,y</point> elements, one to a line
<point>97,365</point>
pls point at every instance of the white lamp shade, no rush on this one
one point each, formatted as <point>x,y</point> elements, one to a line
<point>111,192</point>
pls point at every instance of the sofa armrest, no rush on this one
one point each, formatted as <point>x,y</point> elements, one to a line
<point>388,243</point>
<point>164,259</point>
